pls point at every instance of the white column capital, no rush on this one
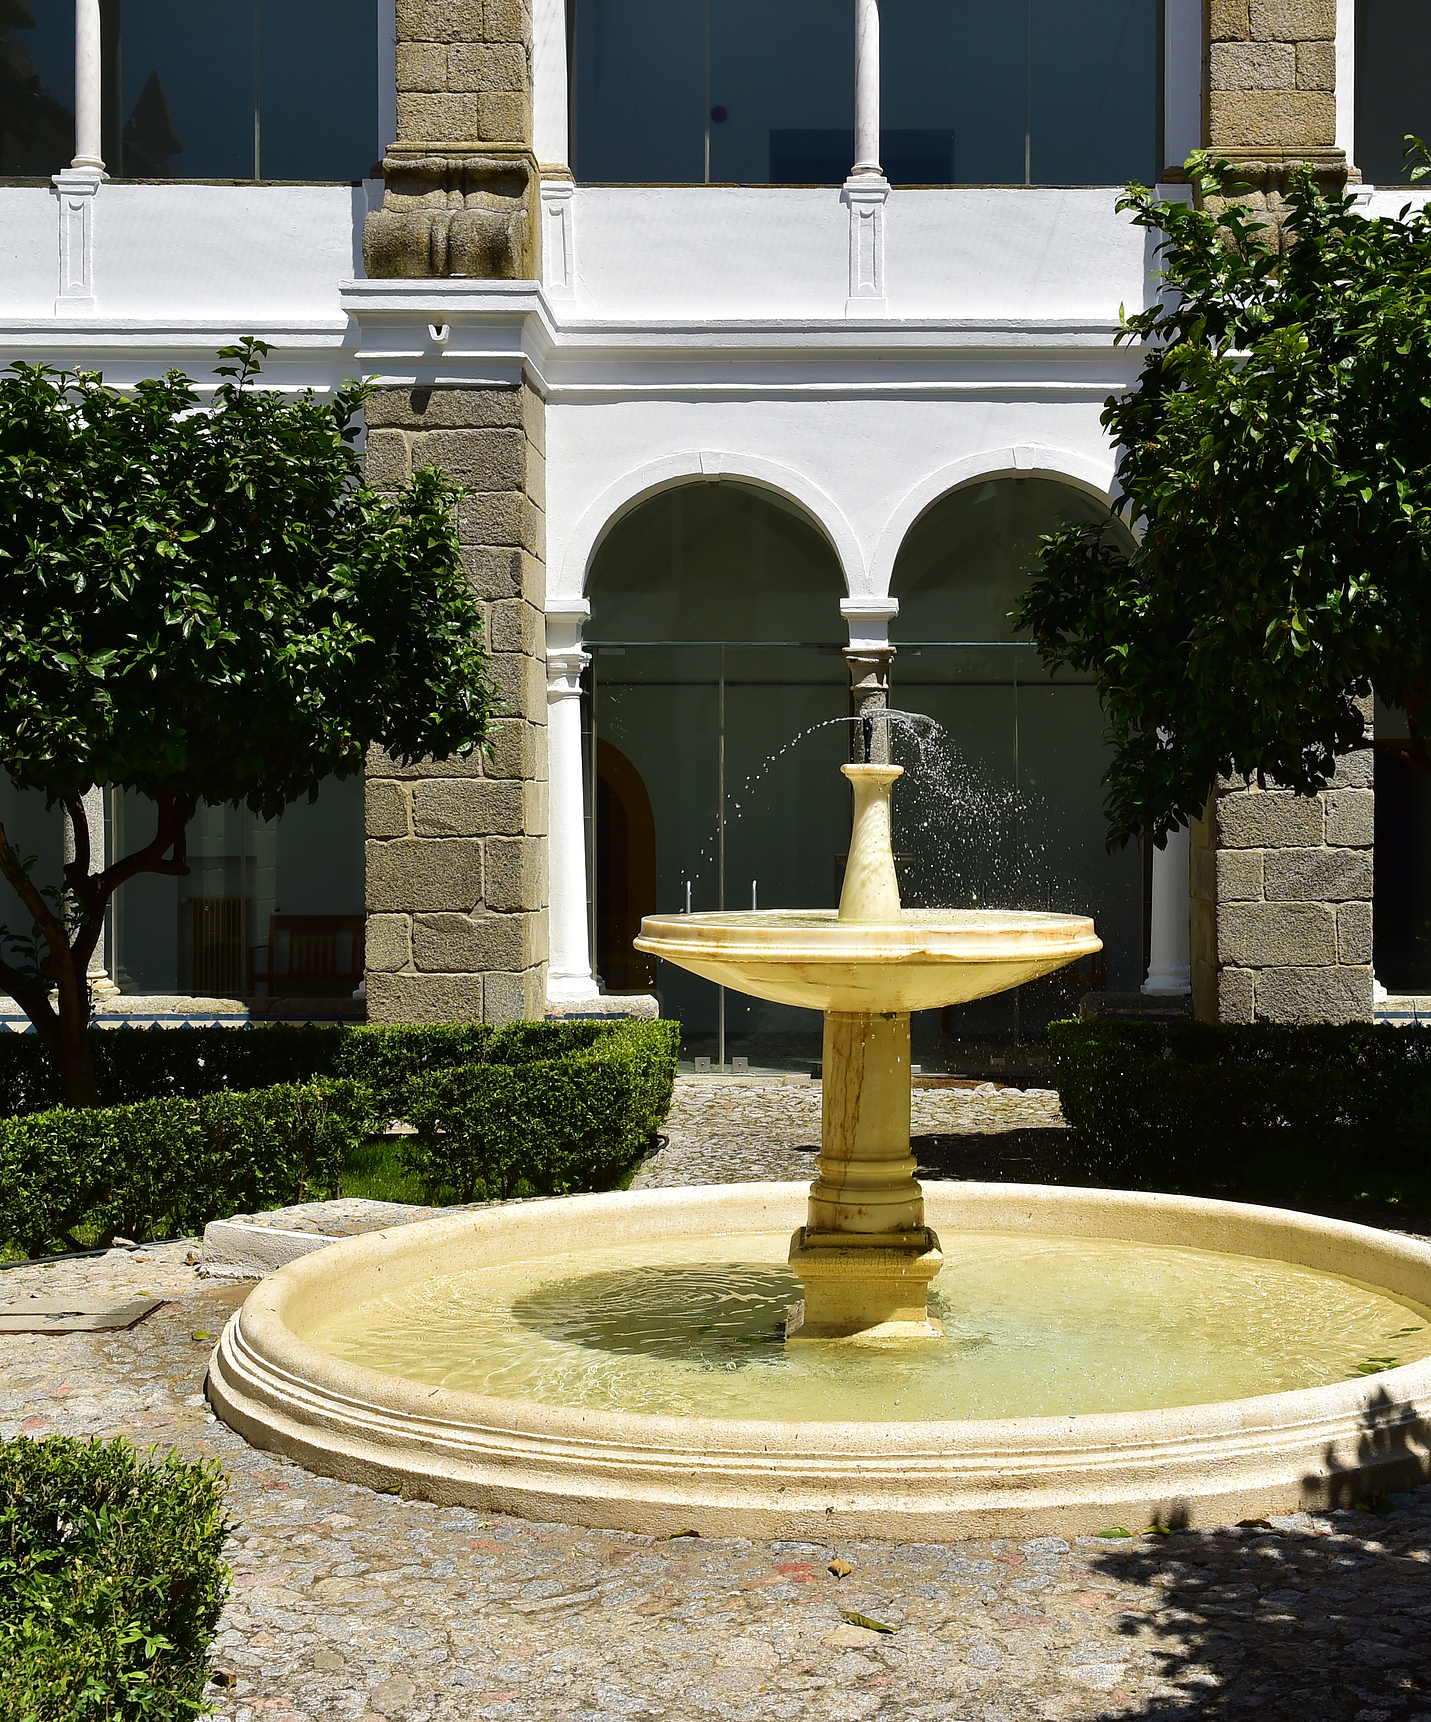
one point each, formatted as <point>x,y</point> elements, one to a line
<point>564,672</point>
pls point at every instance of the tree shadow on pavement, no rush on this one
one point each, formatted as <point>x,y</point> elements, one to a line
<point>1320,1616</point>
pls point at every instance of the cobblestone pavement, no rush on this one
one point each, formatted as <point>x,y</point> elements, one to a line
<point>349,1604</point>
<point>733,1130</point>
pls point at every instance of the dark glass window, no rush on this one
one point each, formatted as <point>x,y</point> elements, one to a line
<point>760,92</point>
<point>1043,92</point>
<point>37,86</point>
<point>1393,86</point>
<point>252,89</point>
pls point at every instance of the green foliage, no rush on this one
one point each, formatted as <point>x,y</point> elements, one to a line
<point>149,1064</point>
<point>1182,1105</point>
<point>1277,455</point>
<point>111,1582</point>
<point>212,604</point>
<point>160,1167</point>
<point>202,600</point>
<point>554,1108</point>
<point>385,1058</point>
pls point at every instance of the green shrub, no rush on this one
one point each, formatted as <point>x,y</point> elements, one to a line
<point>1164,1105</point>
<point>133,1064</point>
<point>556,1107</point>
<point>111,1582</point>
<point>167,1166</point>
<point>385,1059</point>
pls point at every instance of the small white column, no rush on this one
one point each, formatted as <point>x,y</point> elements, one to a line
<point>89,82</point>
<point>867,91</point>
<point>569,977</point>
<point>1169,960</point>
<point>866,190</point>
<point>77,184</point>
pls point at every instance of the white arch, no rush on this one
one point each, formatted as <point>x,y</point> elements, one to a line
<point>656,476</point>
<point>1094,474</point>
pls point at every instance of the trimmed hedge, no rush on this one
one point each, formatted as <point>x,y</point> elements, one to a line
<point>111,1582</point>
<point>1159,1105</point>
<point>132,1064</point>
<point>551,1108</point>
<point>161,1167</point>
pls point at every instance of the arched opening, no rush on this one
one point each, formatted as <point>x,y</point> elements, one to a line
<point>715,706</point>
<point>1022,820</point>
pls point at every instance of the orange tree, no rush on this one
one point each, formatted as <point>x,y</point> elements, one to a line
<point>1275,460</point>
<point>203,602</point>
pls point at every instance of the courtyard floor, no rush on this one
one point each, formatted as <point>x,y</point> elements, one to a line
<point>348,1604</point>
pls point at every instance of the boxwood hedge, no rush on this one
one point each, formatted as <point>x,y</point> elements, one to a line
<point>551,1108</point>
<point>111,1582</point>
<point>160,1168</point>
<point>1179,1104</point>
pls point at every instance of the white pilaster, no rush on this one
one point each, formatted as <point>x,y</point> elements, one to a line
<point>866,189</point>
<point>569,977</point>
<point>76,185</point>
<point>1169,959</point>
<point>559,238</point>
<point>1346,77</point>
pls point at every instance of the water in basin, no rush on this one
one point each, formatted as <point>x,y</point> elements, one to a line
<point>1034,1327</point>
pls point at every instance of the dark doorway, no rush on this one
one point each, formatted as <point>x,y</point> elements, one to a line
<point>625,871</point>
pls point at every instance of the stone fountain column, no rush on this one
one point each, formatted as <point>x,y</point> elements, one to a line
<point>864,1254</point>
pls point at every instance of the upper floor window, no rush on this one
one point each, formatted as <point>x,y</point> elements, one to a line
<point>253,89</point>
<point>1393,86</point>
<point>761,92</point>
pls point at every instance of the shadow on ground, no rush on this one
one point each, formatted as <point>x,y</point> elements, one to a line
<point>1319,1617</point>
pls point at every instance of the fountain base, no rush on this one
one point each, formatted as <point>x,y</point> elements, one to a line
<point>865,1285</point>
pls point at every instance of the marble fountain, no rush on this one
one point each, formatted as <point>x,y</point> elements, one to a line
<point>674,1360</point>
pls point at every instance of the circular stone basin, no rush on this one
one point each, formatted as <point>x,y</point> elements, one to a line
<point>926,959</point>
<point>1108,1357</point>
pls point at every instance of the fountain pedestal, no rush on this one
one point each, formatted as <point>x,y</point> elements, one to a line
<point>864,1254</point>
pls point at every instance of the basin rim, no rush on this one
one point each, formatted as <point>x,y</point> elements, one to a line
<point>637,1471</point>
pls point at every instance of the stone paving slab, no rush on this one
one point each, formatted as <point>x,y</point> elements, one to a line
<point>348,1604</point>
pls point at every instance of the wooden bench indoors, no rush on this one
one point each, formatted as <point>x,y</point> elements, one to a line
<point>308,952</point>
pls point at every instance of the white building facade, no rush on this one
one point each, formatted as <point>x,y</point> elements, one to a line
<point>767,341</point>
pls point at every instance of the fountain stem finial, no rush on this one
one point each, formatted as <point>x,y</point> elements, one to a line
<point>871,889</point>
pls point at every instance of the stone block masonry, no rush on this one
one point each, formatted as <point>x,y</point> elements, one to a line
<point>456,849</point>
<point>1282,901</point>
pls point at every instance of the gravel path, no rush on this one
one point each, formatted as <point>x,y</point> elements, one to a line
<point>349,1604</point>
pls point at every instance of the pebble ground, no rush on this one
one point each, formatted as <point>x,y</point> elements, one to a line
<point>347,1604</point>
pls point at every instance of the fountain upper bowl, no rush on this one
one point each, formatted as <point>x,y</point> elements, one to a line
<point>926,959</point>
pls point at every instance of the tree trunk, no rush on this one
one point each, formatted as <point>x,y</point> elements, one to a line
<point>76,1064</point>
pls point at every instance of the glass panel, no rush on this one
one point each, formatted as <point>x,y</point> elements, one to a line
<point>1052,92</point>
<point>1401,921</point>
<point>959,68</point>
<point>186,79</point>
<point>37,86</point>
<point>639,91</point>
<point>318,90</point>
<point>1393,86</point>
<point>186,88</point>
<point>714,760</point>
<point>206,932</point>
<point>1093,92</point>
<point>1005,808</point>
<point>782,91</point>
